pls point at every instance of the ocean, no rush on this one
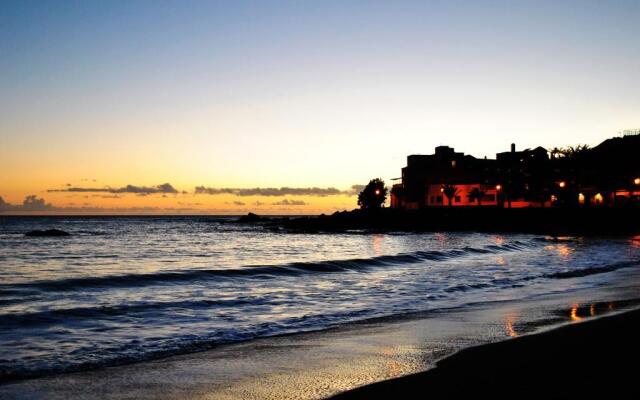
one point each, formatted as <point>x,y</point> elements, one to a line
<point>126,289</point>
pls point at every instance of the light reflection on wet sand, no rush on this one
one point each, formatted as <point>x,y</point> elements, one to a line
<point>509,321</point>
<point>574,313</point>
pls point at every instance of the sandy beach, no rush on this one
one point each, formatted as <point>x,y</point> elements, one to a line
<point>588,360</point>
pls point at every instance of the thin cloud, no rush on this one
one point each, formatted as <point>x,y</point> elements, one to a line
<point>276,192</point>
<point>34,204</point>
<point>287,202</point>
<point>165,188</point>
<point>355,189</point>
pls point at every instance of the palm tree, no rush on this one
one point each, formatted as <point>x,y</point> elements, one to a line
<point>450,191</point>
<point>477,194</point>
<point>556,153</point>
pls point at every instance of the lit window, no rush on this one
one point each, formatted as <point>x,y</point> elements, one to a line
<point>598,198</point>
<point>453,163</point>
<point>580,198</point>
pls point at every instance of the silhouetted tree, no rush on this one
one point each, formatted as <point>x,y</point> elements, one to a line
<point>555,153</point>
<point>449,191</point>
<point>569,152</point>
<point>373,195</point>
<point>477,194</point>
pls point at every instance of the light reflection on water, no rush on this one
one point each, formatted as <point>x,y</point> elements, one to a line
<point>124,289</point>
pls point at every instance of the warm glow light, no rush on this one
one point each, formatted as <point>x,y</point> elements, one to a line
<point>554,197</point>
<point>580,198</point>
<point>498,187</point>
<point>636,181</point>
<point>562,184</point>
<point>598,198</point>
<point>441,190</point>
<point>377,192</point>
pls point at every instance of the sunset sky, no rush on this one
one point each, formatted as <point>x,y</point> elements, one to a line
<point>281,107</point>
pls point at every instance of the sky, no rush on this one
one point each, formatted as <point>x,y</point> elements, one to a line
<point>285,107</point>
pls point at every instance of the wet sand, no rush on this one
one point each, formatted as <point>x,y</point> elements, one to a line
<point>593,359</point>
<point>321,364</point>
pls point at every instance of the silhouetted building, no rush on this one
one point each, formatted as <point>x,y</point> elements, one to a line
<point>424,176</point>
<point>605,175</point>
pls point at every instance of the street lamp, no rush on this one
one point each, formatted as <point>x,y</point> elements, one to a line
<point>498,187</point>
<point>636,181</point>
<point>562,184</point>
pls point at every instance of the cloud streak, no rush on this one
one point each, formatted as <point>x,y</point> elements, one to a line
<point>165,188</point>
<point>276,192</point>
<point>287,202</point>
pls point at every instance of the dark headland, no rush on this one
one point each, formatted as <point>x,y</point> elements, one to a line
<point>593,359</point>
<point>552,221</point>
<point>577,190</point>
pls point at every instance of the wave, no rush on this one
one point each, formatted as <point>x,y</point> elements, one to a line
<point>14,320</point>
<point>577,273</point>
<point>260,271</point>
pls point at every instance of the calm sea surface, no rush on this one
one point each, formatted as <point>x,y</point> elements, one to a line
<point>122,289</point>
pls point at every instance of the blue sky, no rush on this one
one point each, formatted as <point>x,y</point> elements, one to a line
<point>300,93</point>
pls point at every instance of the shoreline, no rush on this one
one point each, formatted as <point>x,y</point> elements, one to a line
<point>577,360</point>
<point>320,364</point>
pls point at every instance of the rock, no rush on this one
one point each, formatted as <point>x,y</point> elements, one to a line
<point>47,233</point>
<point>251,217</point>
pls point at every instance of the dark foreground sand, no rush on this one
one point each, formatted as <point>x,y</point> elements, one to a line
<point>592,359</point>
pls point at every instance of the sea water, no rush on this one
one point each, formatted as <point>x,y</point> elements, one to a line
<point>127,289</point>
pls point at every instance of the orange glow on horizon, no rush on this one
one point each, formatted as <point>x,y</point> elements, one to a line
<point>102,203</point>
